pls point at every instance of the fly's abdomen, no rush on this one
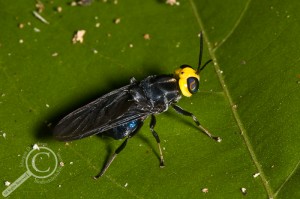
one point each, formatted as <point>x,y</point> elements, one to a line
<point>124,130</point>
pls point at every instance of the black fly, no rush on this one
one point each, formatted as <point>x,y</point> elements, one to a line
<point>121,113</point>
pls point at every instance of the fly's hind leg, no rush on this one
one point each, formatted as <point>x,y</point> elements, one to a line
<point>204,130</point>
<point>152,125</point>
<point>117,151</point>
<point>111,159</point>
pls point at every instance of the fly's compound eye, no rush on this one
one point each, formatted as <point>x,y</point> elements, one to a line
<point>193,84</point>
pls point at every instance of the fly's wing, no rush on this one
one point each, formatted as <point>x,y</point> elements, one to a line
<point>107,112</point>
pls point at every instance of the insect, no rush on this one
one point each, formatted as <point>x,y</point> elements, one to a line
<point>121,113</point>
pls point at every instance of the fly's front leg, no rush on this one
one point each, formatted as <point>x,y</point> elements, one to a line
<point>152,125</point>
<point>117,151</point>
<point>186,113</point>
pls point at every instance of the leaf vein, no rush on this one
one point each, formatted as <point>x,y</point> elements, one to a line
<point>234,111</point>
<point>287,179</point>
<point>238,21</point>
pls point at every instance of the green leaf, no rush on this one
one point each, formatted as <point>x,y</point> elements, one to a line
<point>249,97</point>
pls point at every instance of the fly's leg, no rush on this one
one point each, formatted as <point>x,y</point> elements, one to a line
<point>186,113</point>
<point>117,151</point>
<point>152,125</point>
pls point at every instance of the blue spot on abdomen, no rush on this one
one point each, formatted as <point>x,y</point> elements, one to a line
<point>124,130</point>
<point>132,124</point>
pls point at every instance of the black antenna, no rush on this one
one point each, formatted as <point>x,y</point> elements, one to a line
<point>205,65</point>
<point>200,56</point>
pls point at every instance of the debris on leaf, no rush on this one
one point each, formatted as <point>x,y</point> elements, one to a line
<point>21,25</point>
<point>97,25</point>
<point>78,37</point>
<point>39,6</point>
<point>204,190</point>
<point>38,16</point>
<point>7,183</point>
<point>256,175</point>
<point>172,2</point>
<point>73,3</point>
<point>59,9</point>
<point>55,54</point>
<point>244,190</point>
<point>146,36</point>
<point>84,2</point>
<point>95,51</point>
<point>35,147</point>
<point>117,20</point>
<point>36,29</point>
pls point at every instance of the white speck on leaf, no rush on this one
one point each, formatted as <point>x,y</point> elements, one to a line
<point>38,16</point>
<point>55,54</point>
<point>244,190</point>
<point>97,25</point>
<point>146,36</point>
<point>204,190</point>
<point>7,183</point>
<point>21,25</point>
<point>95,51</point>
<point>78,37</point>
<point>256,175</point>
<point>172,2</point>
<point>117,20</point>
<point>35,147</point>
<point>36,29</point>
<point>59,9</point>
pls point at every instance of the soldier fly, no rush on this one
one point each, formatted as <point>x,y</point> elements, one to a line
<point>121,113</point>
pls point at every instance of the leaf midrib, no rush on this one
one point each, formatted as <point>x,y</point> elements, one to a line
<point>229,98</point>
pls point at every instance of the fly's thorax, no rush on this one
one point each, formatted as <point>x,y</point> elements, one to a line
<point>156,93</point>
<point>137,93</point>
<point>188,80</point>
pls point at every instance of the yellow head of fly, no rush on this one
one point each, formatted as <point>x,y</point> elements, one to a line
<point>189,78</point>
